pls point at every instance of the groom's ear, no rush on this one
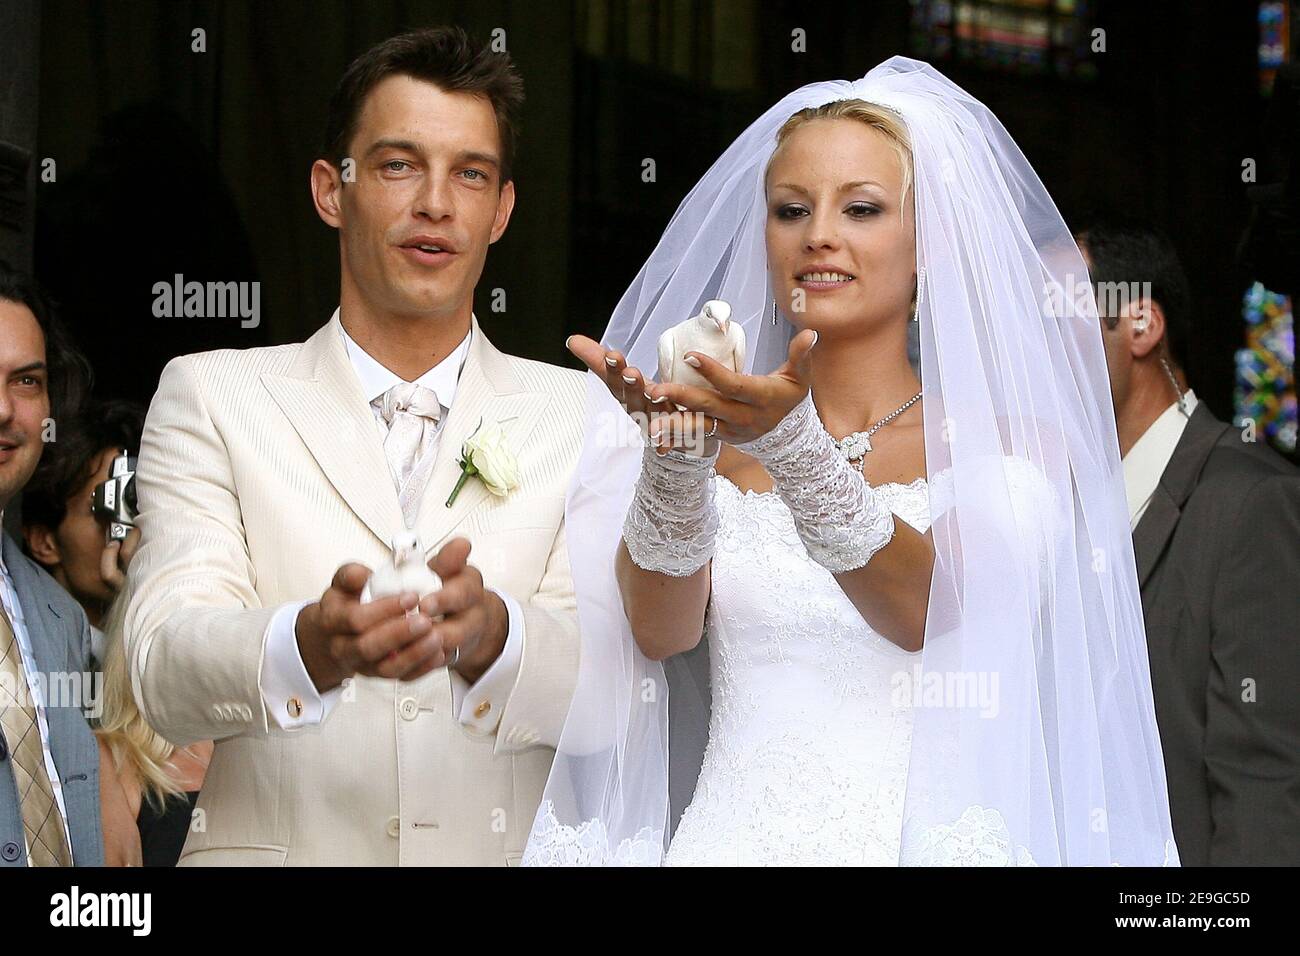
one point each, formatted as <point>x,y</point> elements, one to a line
<point>326,194</point>
<point>505,206</point>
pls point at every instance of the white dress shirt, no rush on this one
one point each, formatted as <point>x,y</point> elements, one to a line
<point>1147,459</point>
<point>14,608</point>
<point>284,679</point>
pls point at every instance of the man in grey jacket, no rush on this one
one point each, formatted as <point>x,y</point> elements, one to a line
<point>1216,519</point>
<point>49,761</point>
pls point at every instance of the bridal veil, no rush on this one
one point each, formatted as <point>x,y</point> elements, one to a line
<point>1034,735</point>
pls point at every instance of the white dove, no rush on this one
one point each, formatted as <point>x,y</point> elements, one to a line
<point>712,333</point>
<point>407,572</point>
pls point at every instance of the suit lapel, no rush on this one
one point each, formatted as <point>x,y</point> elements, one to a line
<point>1160,519</point>
<point>1153,531</point>
<point>322,399</point>
<point>488,391</point>
<point>43,621</point>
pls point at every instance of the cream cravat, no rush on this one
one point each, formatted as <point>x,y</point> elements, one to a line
<point>411,412</point>
<point>42,827</point>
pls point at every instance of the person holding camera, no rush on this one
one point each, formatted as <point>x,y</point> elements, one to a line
<point>86,549</point>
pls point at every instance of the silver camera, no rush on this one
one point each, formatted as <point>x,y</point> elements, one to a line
<point>114,499</point>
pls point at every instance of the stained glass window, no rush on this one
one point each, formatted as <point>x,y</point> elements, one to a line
<point>1030,37</point>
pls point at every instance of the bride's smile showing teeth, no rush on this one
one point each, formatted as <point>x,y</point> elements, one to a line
<point>823,277</point>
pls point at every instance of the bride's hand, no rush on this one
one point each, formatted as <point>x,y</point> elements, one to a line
<point>626,384</point>
<point>745,406</point>
<point>629,387</point>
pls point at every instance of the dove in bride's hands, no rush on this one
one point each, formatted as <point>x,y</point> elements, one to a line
<point>710,333</point>
<point>406,572</point>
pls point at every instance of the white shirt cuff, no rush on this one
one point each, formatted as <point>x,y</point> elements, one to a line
<point>287,690</point>
<point>480,706</point>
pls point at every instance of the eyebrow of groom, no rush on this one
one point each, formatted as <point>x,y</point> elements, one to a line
<point>462,158</point>
<point>402,144</point>
<point>472,156</point>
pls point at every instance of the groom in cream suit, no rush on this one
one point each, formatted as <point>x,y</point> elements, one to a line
<point>271,481</point>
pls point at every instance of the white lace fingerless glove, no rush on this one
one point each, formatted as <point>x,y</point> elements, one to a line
<point>841,519</point>
<point>672,521</point>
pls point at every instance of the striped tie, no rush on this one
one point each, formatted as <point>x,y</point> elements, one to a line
<point>47,844</point>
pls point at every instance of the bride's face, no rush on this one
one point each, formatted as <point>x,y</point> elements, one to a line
<point>841,258</point>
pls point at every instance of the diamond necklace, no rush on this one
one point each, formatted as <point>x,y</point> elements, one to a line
<point>855,447</point>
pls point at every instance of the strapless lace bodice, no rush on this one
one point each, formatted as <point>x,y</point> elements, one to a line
<point>808,745</point>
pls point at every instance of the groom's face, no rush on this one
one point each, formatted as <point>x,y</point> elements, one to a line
<point>427,199</point>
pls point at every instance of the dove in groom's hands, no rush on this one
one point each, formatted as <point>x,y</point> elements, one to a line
<point>407,572</point>
<point>408,634</point>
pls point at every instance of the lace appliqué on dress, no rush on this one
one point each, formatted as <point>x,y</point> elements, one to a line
<point>979,837</point>
<point>553,843</point>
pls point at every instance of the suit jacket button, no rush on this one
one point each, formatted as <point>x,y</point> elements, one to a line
<point>10,852</point>
<point>409,708</point>
<point>394,827</point>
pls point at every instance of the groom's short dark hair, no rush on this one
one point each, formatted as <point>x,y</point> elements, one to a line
<point>444,56</point>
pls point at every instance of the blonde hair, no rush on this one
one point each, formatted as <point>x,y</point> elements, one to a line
<point>880,118</point>
<point>136,747</point>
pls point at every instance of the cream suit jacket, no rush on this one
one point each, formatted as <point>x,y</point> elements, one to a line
<point>260,472</point>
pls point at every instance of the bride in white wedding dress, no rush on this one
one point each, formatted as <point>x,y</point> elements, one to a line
<point>808,742</point>
<point>917,592</point>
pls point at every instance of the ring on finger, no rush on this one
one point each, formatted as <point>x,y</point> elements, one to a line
<point>712,431</point>
<point>455,656</point>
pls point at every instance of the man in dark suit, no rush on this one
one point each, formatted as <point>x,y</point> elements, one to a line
<point>1216,519</point>
<point>49,761</point>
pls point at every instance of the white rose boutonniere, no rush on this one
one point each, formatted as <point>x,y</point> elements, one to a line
<point>486,455</point>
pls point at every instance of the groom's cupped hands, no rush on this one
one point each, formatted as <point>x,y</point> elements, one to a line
<point>403,637</point>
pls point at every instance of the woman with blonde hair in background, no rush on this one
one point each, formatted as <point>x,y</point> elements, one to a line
<point>147,786</point>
